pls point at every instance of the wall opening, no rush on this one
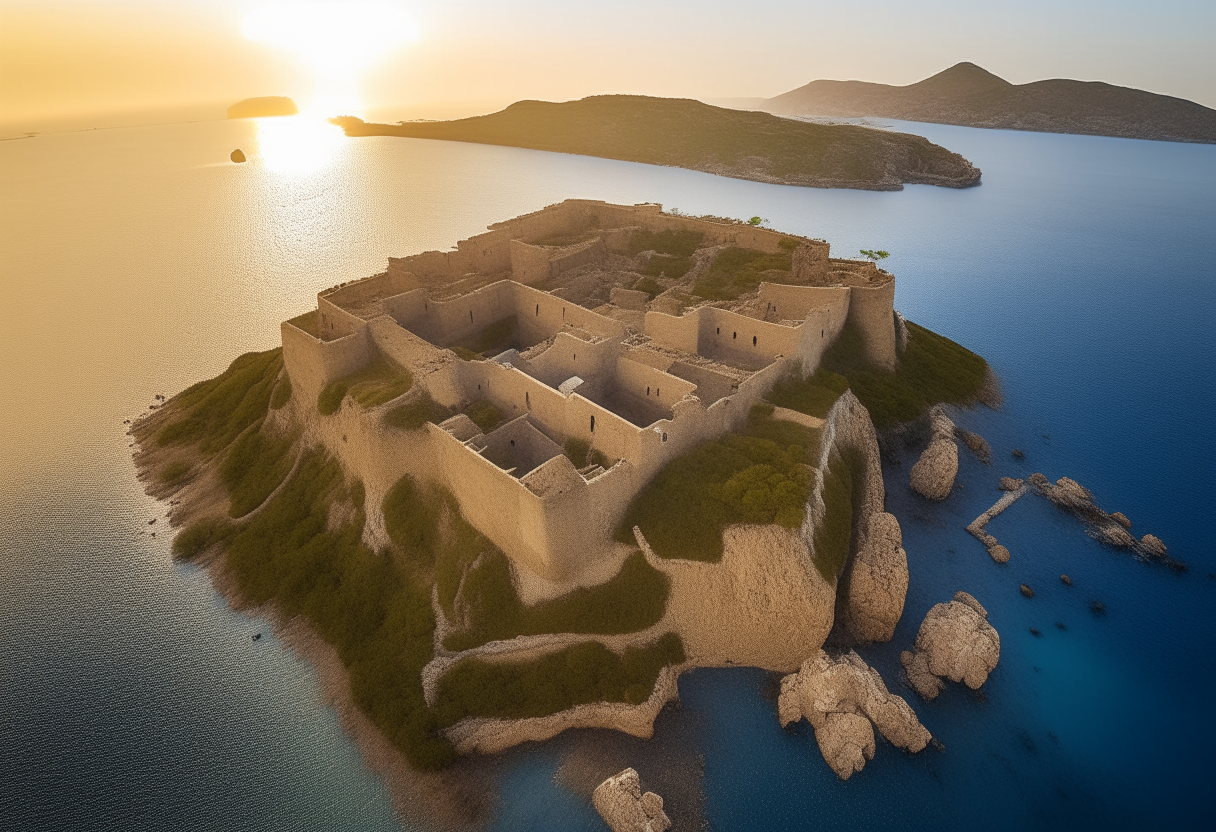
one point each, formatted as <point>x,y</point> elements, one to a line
<point>470,316</point>
<point>718,330</point>
<point>593,423</point>
<point>527,399</point>
<point>538,310</point>
<point>734,335</point>
<point>664,437</point>
<point>753,340</point>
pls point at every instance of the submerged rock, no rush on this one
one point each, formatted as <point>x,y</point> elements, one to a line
<point>999,553</point>
<point>933,474</point>
<point>977,444</point>
<point>955,642</point>
<point>841,698</point>
<point>1152,545</point>
<point>1026,590</point>
<point>1010,484</point>
<point>1067,581</point>
<point>624,807</point>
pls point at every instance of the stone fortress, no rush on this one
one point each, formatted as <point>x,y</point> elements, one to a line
<point>640,376</point>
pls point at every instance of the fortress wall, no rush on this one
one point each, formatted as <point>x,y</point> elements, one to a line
<point>408,307</point>
<point>541,315</point>
<point>570,356</point>
<point>313,363</point>
<point>615,436</point>
<point>739,340</point>
<point>519,445</point>
<point>819,331</point>
<point>810,263</point>
<point>446,322</point>
<point>573,257</point>
<point>681,333</point>
<point>793,303</point>
<point>403,346</point>
<point>383,285</point>
<point>334,321</point>
<point>486,253</point>
<point>562,218</point>
<point>616,240</point>
<point>529,263</point>
<point>649,384</point>
<point>872,309</point>
<point>711,385</point>
<point>428,267</point>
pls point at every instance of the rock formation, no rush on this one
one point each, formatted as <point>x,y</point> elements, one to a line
<point>237,156</point>
<point>878,580</point>
<point>955,642</point>
<point>624,807</point>
<point>1010,484</point>
<point>977,526</point>
<point>1111,529</point>
<point>976,443</point>
<point>933,474</point>
<point>841,698</point>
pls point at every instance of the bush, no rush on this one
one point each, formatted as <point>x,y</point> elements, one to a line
<point>199,536</point>
<point>414,414</point>
<point>588,672</point>
<point>255,466</point>
<point>382,380</point>
<point>673,243</point>
<point>663,265</point>
<point>648,285</point>
<point>737,271</point>
<point>633,600</point>
<point>282,393</point>
<point>933,369</point>
<point>215,412</point>
<point>813,396</point>
<point>331,396</point>
<point>485,415</point>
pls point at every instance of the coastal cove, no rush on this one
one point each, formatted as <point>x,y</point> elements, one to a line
<point>131,669</point>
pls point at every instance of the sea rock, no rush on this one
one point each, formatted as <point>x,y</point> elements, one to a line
<point>1026,590</point>
<point>1067,581</point>
<point>1113,534</point>
<point>955,642</point>
<point>933,474</point>
<point>1010,484</point>
<point>878,581</point>
<point>977,444</point>
<point>624,807</point>
<point>237,156</point>
<point>1152,545</point>
<point>1121,518</point>
<point>999,553</point>
<point>841,698</point>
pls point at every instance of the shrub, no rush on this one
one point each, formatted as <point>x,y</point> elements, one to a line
<point>673,243</point>
<point>331,396</point>
<point>485,415</point>
<point>382,380</point>
<point>199,536</point>
<point>737,271</point>
<point>588,672</point>
<point>648,285</point>
<point>213,413</point>
<point>663,265</point>
<point>254,467</point>
<point>414,414</point>
<point>633,600</point>
<point>173,472</point>
<point>282,393</point>
<point>813,396</point>
<point>411,523</point>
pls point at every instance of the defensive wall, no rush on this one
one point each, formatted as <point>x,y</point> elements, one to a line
<point>640,399</point>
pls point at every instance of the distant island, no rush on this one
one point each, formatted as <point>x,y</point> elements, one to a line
<point>689,134</point>
<point>970,96</point>
<point>266,105</point>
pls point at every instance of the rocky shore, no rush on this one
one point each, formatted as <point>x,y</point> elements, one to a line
<point>955,642</point>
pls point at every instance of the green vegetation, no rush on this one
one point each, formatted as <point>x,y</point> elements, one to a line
<point>199,536</point>
<point>584,673</point>
<point>761,477</point>
<point>663,265</point>
<point>832,538</point>
<point>485,415</point>
<point>648,285</point>
<point>813,396</point>
<point>414,414</point>
<point>174,472</point>
<point>689,134</point>
<point>875,255</point>
<point>582,454</point>
<point>282,393</point>
<point>380,381</point>
<point>254,467</point>
<point>466,354</point>
<point>633,600</point>
<point>737,271</point>
<point>932,369</point>
<point>673,243</point>
<point>215,412</point>
<point>756,222</point>
<point>492,339</point>
<point>789,243</point>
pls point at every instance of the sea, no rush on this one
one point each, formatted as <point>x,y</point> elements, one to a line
<point>136,261</point>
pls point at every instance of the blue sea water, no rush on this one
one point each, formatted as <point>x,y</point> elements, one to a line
<point>137,261</point>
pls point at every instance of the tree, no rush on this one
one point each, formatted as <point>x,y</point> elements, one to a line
<point>875,255</point>
<point>757,221</point>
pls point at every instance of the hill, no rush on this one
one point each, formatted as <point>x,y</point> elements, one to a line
<point>689,134</point>
<point>968,95</point>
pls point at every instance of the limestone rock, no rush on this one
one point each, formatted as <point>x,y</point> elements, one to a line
<point>1115,535</point>
<point>1121,518</point>
<point>841,698</point>
<point>1153,545</point>
<point>977,444</point>
<point>1067,581</point>
<point>955,642</point>
<point>878,581</point>
<point>933,474</point>
<point>999,553</point>
<point>916,665</point>
<point>1026,590</point>
<point>237,156</point>
<point>1010,484</point>
<point>624,807</point>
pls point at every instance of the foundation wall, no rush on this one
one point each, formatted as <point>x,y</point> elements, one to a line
<point>529,263</point>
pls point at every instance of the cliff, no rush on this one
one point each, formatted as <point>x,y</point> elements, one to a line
<point>970,96</point>
<point>688,134</point>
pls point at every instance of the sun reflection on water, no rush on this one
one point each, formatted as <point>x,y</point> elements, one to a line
<point>297,144</point>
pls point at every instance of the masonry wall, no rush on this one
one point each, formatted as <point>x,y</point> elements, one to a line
<point>872,310</point>
<point>313,363</point>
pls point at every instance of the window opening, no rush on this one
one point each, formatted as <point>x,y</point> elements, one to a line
<point>593,423</point>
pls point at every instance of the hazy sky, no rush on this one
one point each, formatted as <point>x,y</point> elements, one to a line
<point>60,58</point>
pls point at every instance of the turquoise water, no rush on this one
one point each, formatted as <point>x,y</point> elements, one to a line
<point>136,261</point>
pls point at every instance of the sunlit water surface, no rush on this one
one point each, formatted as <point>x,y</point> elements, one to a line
<point>137,261</point>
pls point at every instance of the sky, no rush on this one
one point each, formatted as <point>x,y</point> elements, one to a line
<point>64,60</point>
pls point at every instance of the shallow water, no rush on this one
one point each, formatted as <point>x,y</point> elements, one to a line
<point>138,261</point>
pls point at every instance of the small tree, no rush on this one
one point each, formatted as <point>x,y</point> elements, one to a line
<point>875,255</point>
<point>757,221</point>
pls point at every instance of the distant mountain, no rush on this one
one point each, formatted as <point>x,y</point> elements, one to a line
<point>971,96</point>
<point>682,133</point>
<point>267,105</point>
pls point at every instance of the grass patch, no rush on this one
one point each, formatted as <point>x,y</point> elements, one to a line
<point>582,454</point>
<point>414,414</point>
<point>493,339</point>
<point>833,536</point>
<point>466,354</point>
<point>933,369</point>
<point>813,396</point>
<point>662,265</point>
<point>199,536</point>
<point>282,393</point>
<point>751,478</point>
<point>737,271</point>
<point>648,285</point>
<point>788,243</point>
<point>174,472</point>
<point>485,415</point>
<point>674,243</point>
<point>380,381</point>
<point>254,467</point>
<point>633,600</point>
<point>584,673</point>
<point>215,412</point>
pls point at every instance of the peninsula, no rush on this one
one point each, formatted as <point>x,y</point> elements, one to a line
<point>268,105</point>
<point>968,95</point>
<point>520,486</point>
<point>689,134</point>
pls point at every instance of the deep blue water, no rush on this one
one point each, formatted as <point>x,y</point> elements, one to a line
<point>1083,269</point>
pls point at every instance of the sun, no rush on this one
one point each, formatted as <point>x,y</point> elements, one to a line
<point>338,41</point>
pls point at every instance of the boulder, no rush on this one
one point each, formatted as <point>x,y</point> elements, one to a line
<point>841,698</point>
<point>999,553</point>
<point>237,156</point>
<point>1010,484</point>
<point>933,474</point>
<point>955,642</point>
<point>1121,518</point>
<point>1152,545</point>
<point>977,444</point>
<point>624,807</point>
<point>1026,590</point>
<point>878,581</point>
